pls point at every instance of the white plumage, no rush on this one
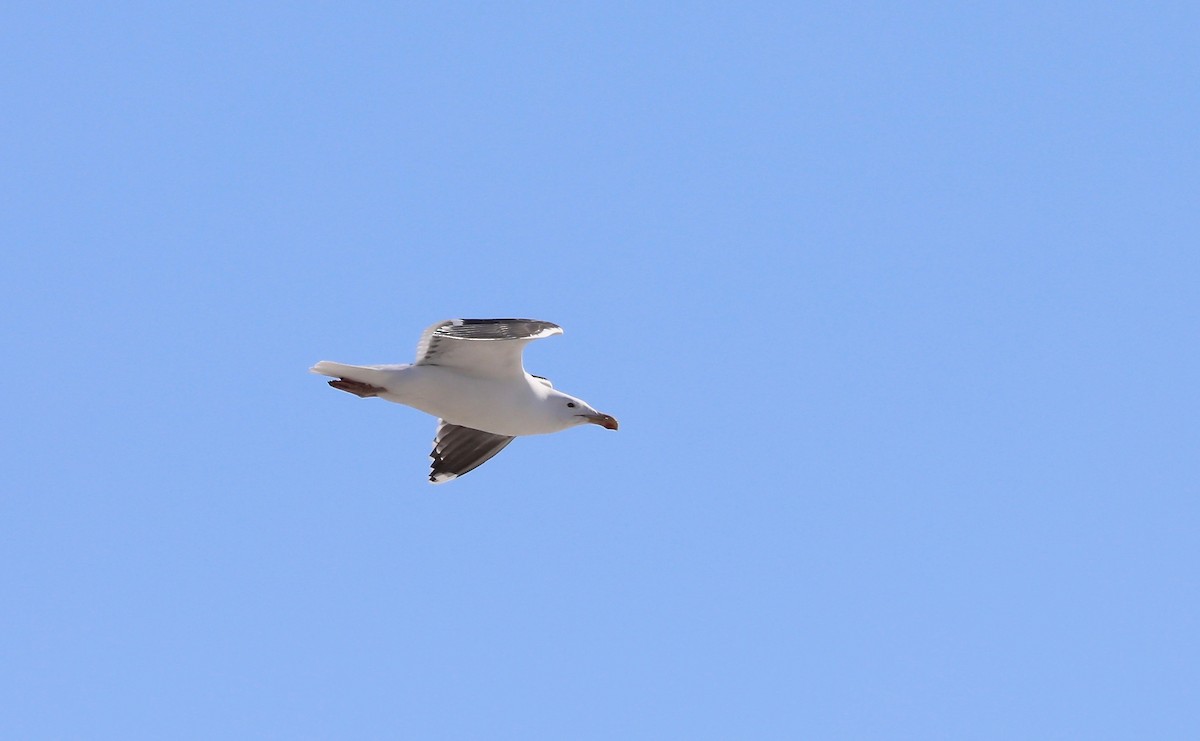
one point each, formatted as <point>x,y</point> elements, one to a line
<point>469,373</point>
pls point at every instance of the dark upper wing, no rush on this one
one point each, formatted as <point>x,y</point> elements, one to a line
<point>457,450</point>
<point>482,347</point>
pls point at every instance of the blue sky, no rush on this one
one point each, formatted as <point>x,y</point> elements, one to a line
<point>896,303</point>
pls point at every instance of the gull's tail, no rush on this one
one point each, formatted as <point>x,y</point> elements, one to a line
<point>360,380</point>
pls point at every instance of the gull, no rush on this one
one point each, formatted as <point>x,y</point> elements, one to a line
<point>469,374</point>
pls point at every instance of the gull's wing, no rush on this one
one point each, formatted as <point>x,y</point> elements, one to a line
<point>457,450</point>
<point>488,348</point>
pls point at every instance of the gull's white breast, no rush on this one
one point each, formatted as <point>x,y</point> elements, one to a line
<point>502,407</point>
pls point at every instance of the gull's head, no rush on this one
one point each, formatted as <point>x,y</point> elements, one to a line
<point>572,411</point>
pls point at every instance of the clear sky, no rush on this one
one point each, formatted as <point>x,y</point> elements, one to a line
<point>896,304</point>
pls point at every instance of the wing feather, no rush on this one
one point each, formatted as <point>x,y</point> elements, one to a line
<point>482,347</point>
<point>458,450</point>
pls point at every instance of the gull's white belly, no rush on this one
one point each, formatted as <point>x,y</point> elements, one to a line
<point>499,407</point>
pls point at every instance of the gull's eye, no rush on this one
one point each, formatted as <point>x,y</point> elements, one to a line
<point>571,404</point>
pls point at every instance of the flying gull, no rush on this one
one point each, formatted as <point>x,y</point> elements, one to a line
<point>469,374</point>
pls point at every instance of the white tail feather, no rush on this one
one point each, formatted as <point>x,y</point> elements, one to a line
<point>377,375</point>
